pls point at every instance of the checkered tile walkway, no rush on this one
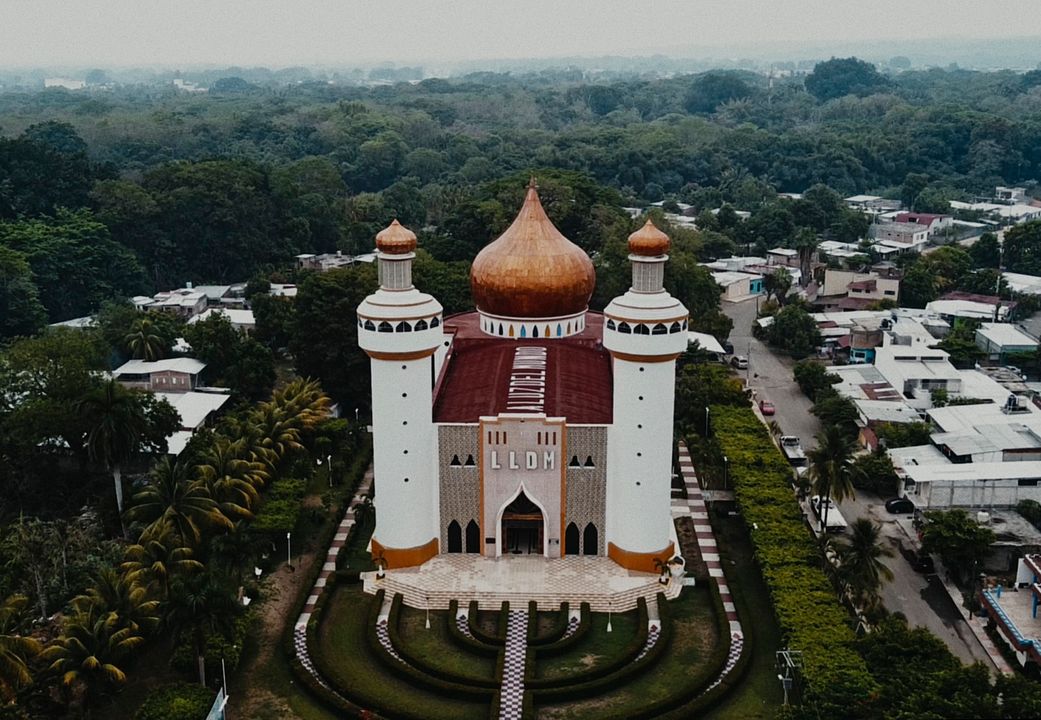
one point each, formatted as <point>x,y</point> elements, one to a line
<point>462,621</point>
<point>695,505</point>
<point>328,568</point>
<point>511,694</point>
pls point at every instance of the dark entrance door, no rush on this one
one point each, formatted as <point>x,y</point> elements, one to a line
<point>522,527</point>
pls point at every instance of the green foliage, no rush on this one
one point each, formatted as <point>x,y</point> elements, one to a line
<point>232,358</point>
<point>701,386</point>
<point>1031,510</point>
<point>75,263</point>
<point>957,538</point>
<point>960,342</point>
<point>986,252</point>
<point>898,435</point>
<point>836,410</point>
<point>794,331</point>
<point>1022,245</point>
<point>838,682</point>
<point>814,379</point>
<point>281,509</point>
<point>844,76</point>
<point>21,312</point>
<point>875,472</point>
<point>217,646</point>
<point>711,90</point>
<point>176,702</point>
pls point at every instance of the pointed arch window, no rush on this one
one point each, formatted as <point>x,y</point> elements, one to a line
<point>524,331</point>
<point>500,328</point>
<point>571,539</point>
<point>610,324</point>
<point>511,331</point>
<point>421,325</point>
<point>589,462</point>
<point>574,462</point>
<point>535,331</point>
<point>385,327</point>
<point>455,461</point>
<point>469,461</point>
<point>473,537</point>
<point>674,328</point>
<point>590,540</point>
<point>369,325</point>
<point>455,537</point>
<point>560,330</point>
<point>641,329</point>
<point>623,327</point>
<point>435,321</point>
<point>659,329</point>
<point>403,327</point>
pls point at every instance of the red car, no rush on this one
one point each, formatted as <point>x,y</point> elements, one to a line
<point>766,407</point>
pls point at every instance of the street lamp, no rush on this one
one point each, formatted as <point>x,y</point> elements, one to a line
<point>726,470</point>
<point>610,609</point>
<point>289,549</point>
<point>426,601</point>
<point>706,421</point>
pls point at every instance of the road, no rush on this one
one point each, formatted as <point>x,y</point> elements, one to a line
<point>922,599</point>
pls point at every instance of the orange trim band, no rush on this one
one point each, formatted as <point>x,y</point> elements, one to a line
<point>415,355</point>
<point>404,557</point>
<point>629,357</point>
<point>640,562</point>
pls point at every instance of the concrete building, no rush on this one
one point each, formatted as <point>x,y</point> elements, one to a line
<point>932,222</point>
<point>173,375</point>
<point>532,425</point>
<point>241,320</point>
<point>910,236</point>
<point>999,340</point>
<point>738,286</point>
<point>1020,283</point>
<point>862,288</point>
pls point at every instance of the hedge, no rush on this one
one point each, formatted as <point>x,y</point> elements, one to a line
<point>422,664</point>
<point>555,633</point>
<point>561,646</point>
<point>499,638</point>
<point>808,610</point>
<point>465,641</point>
<point>183,701</point>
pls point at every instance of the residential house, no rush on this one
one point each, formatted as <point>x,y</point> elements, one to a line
<point>956,306</point>
<point>1013,610</point>
<point>196,410</point>
<point>932,222</point>
<point>738,286</point>
<point>331,261</point>
<point>909,236</point>
<point>999,340</point>
<point>172,375</point>
<point>848,290</point>
<point>241,320</point>
<point>1024,284</point>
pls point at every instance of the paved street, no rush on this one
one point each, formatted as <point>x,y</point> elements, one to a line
<point>922,599</point>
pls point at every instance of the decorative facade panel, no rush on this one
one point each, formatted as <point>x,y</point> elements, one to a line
<point>587,481</point>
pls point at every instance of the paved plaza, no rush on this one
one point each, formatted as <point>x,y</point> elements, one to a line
<point>601,582</point>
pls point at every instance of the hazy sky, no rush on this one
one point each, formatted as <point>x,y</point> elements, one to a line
<point>345,32</point>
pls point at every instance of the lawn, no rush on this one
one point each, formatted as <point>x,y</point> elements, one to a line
<point>694,637</point>
<point>348,662</point>
<point>759,693</point>
<point>436,645</point>
<point>597,647</point>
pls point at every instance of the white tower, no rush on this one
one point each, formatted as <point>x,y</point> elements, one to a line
<point>645,330</point>
<point>400,329</point>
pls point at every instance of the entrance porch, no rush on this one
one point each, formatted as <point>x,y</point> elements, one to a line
<point>518,579</point>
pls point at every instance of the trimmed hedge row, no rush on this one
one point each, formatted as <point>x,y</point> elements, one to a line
<point>619,672</point>
<point>412,675</point>
<point>499,638</point>
<point>562,645</point>
<point>807,608</point>
<point>465,641</point>
<point>554,634</point>
<point>420,663</point>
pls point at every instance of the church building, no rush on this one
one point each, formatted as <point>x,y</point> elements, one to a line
<point>531,425</point>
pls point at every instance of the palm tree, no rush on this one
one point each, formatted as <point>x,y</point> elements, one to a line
<point>86,654</point>
<point>171,503</point>
<point>152,564</point>
<point>831,468</point>
<point>126,600</point>
<point>115,418</point>
<point>143,342</point>
<point>234,552</point>
<point>231,480</point>
<point>277,435</point>
<point>203,605</point>
<point>16,650</point>
<point>862,565</point>
<point>806,242</point>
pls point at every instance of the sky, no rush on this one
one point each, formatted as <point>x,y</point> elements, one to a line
<point>119,33</point>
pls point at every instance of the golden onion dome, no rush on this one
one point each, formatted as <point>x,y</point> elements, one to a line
<point>648,241</point>
<point>396,239</point>
<point>532,270</point>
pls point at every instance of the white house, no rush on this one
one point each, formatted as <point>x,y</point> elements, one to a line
<point>999,340</point>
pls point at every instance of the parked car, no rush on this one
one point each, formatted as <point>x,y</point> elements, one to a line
<point>728,347</point>
<point>1016,371</point>
<point>766,407</point>
<point>900,506</point>
<point>739,361</point>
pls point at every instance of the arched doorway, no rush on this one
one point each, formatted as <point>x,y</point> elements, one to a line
<point>473,537</point>
<point>455,537</point>
<point>522,527</point>
<point>571,539</point>
<point>589,540</point>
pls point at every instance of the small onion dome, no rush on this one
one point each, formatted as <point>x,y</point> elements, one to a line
<point>648,241</point>
<point>396,239</point>
<point>532,270</point>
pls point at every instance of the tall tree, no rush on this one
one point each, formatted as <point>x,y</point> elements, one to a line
<point>115,419</point>
<point>21,312</point>
<point>862,564</point>
<point>202,605</point>
<point>844,76</point>
<point>831,468</point>
<point>175,508</point>
<point>144,341</point>
<point>16,649</point>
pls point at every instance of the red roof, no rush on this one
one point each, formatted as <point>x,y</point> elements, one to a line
<point>918,218</point>
<point>476,379</point>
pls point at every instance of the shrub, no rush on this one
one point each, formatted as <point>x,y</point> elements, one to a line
<point>217,647</point>
<point>183,701</point>
<point>807,609</point>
